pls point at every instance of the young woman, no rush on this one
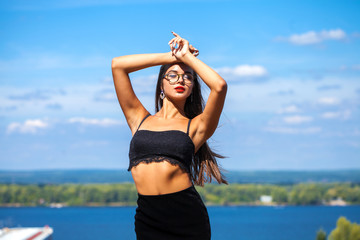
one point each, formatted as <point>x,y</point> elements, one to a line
<point>168,151</point>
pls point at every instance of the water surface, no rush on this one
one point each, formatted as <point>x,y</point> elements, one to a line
<point>246,223</point>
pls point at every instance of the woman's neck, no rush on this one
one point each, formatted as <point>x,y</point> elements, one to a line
<point>171,110</point>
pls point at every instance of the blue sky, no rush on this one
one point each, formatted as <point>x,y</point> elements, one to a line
<point>292,67</point>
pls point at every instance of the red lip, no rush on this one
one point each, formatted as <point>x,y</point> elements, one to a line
<point>180,89</point>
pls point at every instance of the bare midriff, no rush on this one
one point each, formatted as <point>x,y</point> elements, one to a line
<point>159,178</point>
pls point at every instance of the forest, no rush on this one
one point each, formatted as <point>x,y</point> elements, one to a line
<point>122,175</point>
<point>345,230</point>
<point>124,194</point>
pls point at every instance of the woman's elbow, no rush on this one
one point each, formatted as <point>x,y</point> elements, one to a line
<point>117,63</point>
<point>113,63</point>
<point>221,86</point>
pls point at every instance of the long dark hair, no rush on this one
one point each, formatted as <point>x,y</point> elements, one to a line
<point>204,166</point>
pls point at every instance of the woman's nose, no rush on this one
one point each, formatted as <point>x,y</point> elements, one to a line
<point>181,79</point>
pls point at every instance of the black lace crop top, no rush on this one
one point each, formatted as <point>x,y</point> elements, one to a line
<point>173,146</point>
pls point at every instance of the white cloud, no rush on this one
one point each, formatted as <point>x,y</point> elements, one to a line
<point>288,130</point>
<point>29,126</point>
<point>337,115</point>
<point>328,101</point>
<point>297,119</point>
<point>330,115</point>
<point>335,34</point>
<point>243,71</point>
<point>105,122</point>
<point>144,84</point>
<point>33,126</point>
<point>106,95</point>
<point>354,67</point>
<point>289,109</point>
<point>313,37</point>
<point>37,94</point>
<point>45,61</point>
<point>329,87</point>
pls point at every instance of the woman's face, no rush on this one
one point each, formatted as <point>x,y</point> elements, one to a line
<point>178,82</point>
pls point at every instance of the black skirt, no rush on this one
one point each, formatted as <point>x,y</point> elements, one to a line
<point>179,215</point>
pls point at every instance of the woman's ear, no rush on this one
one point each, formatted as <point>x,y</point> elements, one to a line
<point>162,85</point>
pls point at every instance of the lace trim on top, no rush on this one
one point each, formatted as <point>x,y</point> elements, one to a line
<point>151,159</point>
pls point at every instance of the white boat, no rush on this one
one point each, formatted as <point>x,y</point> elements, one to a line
<point>33,233</point>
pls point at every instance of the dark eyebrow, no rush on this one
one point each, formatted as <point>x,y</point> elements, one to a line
<point>177,71</point>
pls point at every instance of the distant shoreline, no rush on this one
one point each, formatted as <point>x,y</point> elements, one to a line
<point>94,176</point>
<point>207,205</point>
<point>125,194</point>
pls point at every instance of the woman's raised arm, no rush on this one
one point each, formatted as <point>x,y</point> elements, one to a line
<point>205,123</point>
<point>132,108</point>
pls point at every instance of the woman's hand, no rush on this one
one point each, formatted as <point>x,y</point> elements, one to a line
<point>180,47</point>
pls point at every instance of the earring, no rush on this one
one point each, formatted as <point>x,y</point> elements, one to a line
<point>162,94</point>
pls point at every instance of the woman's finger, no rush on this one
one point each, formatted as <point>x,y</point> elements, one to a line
<point>172,39</point>
<point>175,34</point>
<point>177,45</point>
<point>193,50</point>
<point>173,44</point>
<point>176,39</point>
<point>178,42</point>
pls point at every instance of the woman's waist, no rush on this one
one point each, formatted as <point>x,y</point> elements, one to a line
<point>160,178</point>
<point>183,163</point>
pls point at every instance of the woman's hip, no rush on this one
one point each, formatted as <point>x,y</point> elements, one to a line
<point>181,213</point>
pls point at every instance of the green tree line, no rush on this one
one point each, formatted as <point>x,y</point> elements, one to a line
<point>126,194</point>
<point>345,230</point>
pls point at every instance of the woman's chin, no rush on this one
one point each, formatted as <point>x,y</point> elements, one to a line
<point>178,97</point>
